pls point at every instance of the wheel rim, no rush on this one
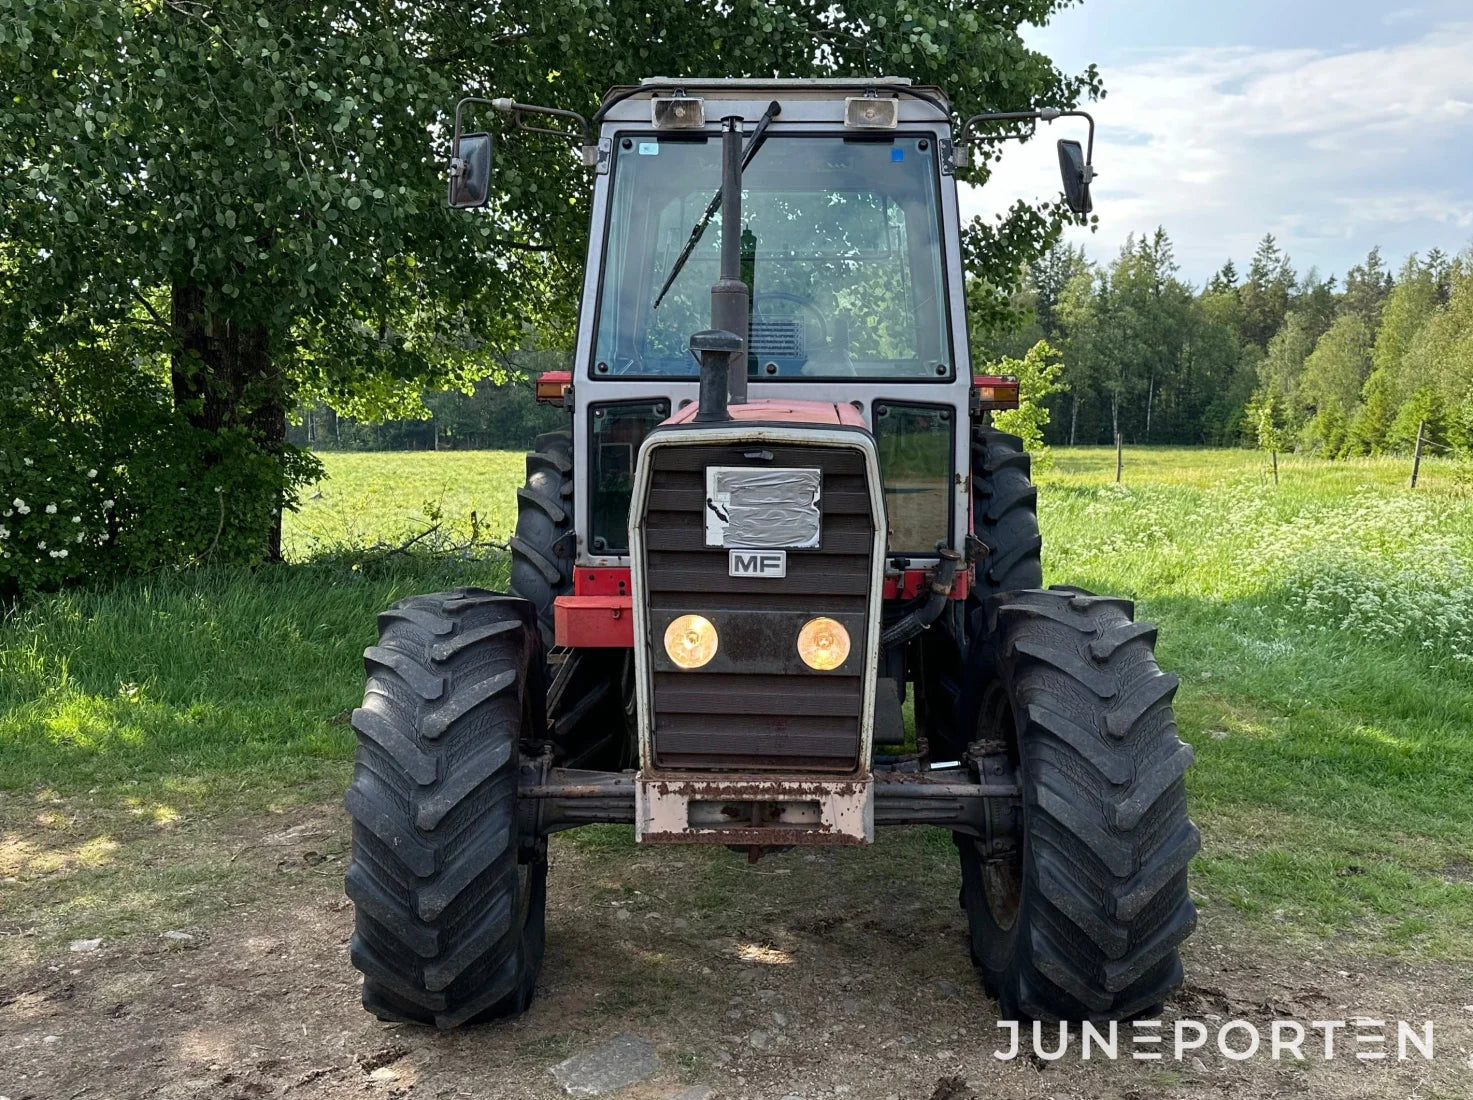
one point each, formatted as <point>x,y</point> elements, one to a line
<point>1002,876</point>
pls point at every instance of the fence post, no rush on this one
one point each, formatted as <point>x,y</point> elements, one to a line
<point>1119,455</point>
<point>1417,453</point>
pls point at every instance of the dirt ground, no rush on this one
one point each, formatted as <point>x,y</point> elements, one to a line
<point>828,974</point>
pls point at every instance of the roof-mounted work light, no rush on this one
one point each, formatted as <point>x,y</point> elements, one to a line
<point>680,112</point>
<point>870,112</point>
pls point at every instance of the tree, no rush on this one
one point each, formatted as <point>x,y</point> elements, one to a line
<point>1316,302</point>
<point>1366,286</point>
<point>1440,361</point>
<point>1266,293</point>
<point>1281,370</point>
<point>1224,280</point>
<point>1408,307</point>
<point>250,196</point>
<point>1039,375</point>
<point>1334,375</point>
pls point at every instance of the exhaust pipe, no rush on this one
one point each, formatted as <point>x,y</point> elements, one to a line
<point>714,349</point>
<point>722,348</point>
<point>730,296</point>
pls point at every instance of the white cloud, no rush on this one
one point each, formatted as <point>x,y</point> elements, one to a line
<point>1332,151</point>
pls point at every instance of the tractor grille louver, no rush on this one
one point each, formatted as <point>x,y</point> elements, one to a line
<point>750,720</point>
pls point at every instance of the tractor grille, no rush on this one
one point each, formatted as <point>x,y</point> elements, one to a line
<point>752,714</point>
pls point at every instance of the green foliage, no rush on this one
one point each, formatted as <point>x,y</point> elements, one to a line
<point>1268,421</point>
<point>1039,375</point>
<point>97,482</point>
<point>1335,374</point>
<point>248,200</point>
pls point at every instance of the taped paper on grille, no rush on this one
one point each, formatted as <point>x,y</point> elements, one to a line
<point>749,509</point>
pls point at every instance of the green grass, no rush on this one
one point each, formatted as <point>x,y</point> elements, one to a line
<point>389,497</point>
<point>1323,630</point>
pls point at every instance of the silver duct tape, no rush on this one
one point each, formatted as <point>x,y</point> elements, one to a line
<point>760,509</point>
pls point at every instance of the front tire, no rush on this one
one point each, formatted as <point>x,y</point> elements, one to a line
<point>450,898</point>
<point>1082,917</point>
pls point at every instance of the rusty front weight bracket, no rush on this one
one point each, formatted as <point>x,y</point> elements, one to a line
<point>554,799</point>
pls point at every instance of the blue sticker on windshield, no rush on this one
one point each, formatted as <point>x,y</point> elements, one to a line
<point>897,154</point>
<point>649,148</point>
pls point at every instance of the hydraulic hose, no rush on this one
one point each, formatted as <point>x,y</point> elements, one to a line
<point>923,616</point>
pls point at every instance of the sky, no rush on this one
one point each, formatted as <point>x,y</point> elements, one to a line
<point>1334,126</point>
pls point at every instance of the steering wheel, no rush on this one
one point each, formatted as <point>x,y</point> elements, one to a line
<point>797,300</point>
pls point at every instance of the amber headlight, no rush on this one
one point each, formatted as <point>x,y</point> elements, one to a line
<point>691,641</point>
<point>823,644</point>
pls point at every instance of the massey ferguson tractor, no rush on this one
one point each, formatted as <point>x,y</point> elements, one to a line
<point>779,510</point>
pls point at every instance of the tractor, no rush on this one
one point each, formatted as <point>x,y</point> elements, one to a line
<point>779,510</point>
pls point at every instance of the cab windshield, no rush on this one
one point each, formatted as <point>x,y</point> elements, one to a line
<point>841,248</point>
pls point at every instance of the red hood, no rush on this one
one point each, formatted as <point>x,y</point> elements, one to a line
<point>774,410</point>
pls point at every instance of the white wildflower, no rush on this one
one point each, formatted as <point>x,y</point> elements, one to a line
<point>18,502</point>
<point>53,553</point>
<point>106,504</point>
<point>41,545</point>
<point>28,462</point>
<point>76,519</point>
<point>80,536</point>
<point>4,531</point>
<point>51,509</point>
<point>91,473</point>
<point>62,553</point>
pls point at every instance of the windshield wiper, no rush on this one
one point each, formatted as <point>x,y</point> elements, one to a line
<point>759,135</point>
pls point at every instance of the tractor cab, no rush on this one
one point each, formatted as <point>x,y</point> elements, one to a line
<point>847,250</point>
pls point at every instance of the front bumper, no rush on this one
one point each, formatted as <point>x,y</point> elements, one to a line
<point>763,810</point>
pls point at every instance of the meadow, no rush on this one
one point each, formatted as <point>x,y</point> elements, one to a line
<point>1322,627</point>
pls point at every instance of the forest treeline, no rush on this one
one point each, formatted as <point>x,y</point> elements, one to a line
<point>1267,357</point>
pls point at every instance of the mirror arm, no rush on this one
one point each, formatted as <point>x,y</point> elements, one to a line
<point>582,137</point>
<point>1046,114</point>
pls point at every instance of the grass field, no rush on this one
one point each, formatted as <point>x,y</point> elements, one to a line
<point>1323,630</point>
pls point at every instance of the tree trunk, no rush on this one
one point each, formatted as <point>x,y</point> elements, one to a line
<point>1150,396</point>
<point>1074,420</point>
<point>223,377</point>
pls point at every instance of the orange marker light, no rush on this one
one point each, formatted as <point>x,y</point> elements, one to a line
<point>690,641</point>
<point>823,644</point>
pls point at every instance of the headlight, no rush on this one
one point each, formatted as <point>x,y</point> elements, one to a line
<point>823,644</point>
<point>691,641</point>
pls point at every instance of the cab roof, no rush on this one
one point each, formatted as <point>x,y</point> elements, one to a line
<point>811,99</point>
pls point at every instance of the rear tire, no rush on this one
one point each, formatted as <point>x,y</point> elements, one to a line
<point>1082,917</point>
<point>545,546</point>
<point>451,901</point>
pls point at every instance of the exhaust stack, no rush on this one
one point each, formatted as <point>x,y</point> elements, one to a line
<point>715,349</point>
<point>722,349</point>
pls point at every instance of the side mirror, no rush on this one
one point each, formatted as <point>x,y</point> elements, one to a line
<point>1077,175</point>
<point>470,171</point>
